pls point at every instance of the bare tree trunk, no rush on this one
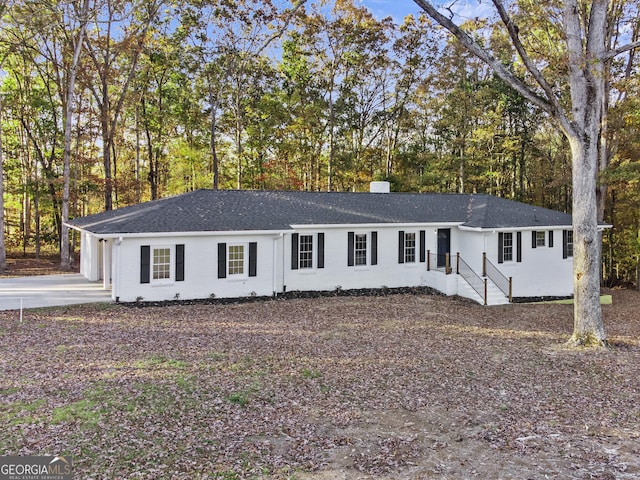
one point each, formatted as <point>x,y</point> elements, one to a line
<point>239,153</point>
<point>332,121</point>
<point>213,103</point>
<point>3,251</point>
<point>137,172</point>
<point>461,168</point>
<point>588,327</point>
<point>106,154</point>
<point>588,88</point>
<point>65,258</point>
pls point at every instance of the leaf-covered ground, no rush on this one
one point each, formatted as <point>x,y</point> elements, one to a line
<point>397,387</point>
<point>25,264</point>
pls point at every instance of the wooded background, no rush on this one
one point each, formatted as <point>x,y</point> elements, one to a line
<point>171,96</point>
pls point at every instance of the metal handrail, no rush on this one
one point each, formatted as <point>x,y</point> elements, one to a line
<point>432,262</point>
<point>497,277</point>
<point>472,278</point>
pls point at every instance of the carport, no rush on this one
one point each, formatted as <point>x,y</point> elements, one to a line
<point>49,291</point>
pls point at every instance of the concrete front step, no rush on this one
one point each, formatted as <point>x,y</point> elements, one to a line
<point>494,294</point>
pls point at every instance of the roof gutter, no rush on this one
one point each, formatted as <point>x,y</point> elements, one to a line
<point>375,225</point>
<point>601,227</point>
<point>208,233</point>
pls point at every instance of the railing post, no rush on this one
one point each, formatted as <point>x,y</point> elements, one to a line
<point>458,263</point>
<point>447,263</point>
<point>485,291</point>
<point>428,260</point>
<point>484,264</point>
<point>510,290</point>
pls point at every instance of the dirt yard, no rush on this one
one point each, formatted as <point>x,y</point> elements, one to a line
<point>395,387</point>
<point>25,264</point>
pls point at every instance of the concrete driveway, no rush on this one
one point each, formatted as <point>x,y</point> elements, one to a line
<point>50,291</point>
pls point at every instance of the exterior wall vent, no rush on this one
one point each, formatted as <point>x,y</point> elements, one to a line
<point>379,187</point>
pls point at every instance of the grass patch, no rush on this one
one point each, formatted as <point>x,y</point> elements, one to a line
<point>604,300</point>
<point>217,356</point>
<point>310,373</point>
<point>239,398</point>
<point>9,391</point>
<point>86,410</point>
<point>187,383</point>
<point>157,361</point>
<point>20,413</point>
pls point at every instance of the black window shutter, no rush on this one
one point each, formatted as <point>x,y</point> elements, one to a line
<point>564,244</point>
<point>321,250</point>
<point>222,260</point>
<point>533,239</point>
<point>500,247</point>
<point>550,238</point>
<point>253,258</point>
<point>401,246</point>
<point>145,263</point>
<point>294,251</point>
<point>519,246</point>
<point>179,263</point>
<point>423,244</point>
<point>374,248</point>
<point>350,249</point>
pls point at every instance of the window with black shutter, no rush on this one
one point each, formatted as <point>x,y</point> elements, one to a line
<point>222,260</point>
<point>145,264</point>
<point>253,259</point>
<point>179,263</point>
<point>294,251</point>
<point>321,250</point>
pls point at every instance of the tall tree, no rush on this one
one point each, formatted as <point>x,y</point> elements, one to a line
<point>3,250</point>
<point>584,31</point>
<point>114,48</point>
<point>79,14</point>
<point>413,52</point>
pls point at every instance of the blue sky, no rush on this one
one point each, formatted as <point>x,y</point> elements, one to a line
<point>398,9</point>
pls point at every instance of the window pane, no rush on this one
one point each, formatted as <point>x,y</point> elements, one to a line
<point>507,247</point>
<point>409,247</point>
<point>361,249</point>
<point>161,263</point>
<point>540,237</point>
<point>306,251</point>
<point>236,260</point>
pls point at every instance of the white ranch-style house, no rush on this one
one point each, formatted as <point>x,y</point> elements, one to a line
<point>227,243</point>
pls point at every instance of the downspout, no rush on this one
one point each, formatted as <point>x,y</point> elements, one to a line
<point>284,287</point>
<point>273,267</point>
<point>107,253</point>
<point>115,284</point>
<point>275,288</point>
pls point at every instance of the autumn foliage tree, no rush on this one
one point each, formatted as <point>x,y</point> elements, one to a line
<point>583,28</point>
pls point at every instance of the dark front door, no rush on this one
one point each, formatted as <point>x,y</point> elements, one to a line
<point>444,246</point>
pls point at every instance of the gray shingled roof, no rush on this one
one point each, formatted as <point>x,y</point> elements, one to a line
<point>241,210</point>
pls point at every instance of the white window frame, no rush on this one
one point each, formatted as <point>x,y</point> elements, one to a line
<point>541,238</point>
<point>153,279</point>
<point>507,248</point>
<point>357,260</point>
<point>410,251</point>
<point>307,262</point>
<point>569,244</point>
<point>245,260</point>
